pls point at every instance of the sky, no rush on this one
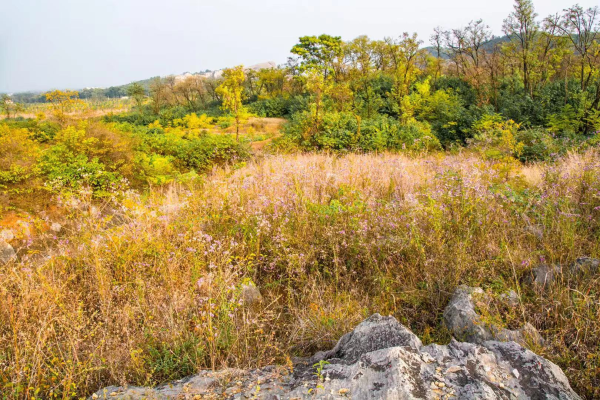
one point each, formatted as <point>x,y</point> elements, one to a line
<point>60,44</point>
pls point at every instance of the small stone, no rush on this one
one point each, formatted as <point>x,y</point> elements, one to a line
<point>515,373</point>
<point>433,385</point>
<point>251,295</point>
<point>343,391</point>
<point>440,384</point>
<point>55,227</point>
<point>453,369</point>
<point>7,253</point>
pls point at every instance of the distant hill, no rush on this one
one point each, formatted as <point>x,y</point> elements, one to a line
<point>121,90</point>
<point>489,45</point>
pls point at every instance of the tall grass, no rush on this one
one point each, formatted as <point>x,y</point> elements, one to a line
<point>155,292</point>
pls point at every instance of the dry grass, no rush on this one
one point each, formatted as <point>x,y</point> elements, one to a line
<point>328,240</point>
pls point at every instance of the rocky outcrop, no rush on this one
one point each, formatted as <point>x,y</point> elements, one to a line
<point>380,359</point>
<point>466,324</point>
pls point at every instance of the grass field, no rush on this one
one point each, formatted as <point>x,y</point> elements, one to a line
<point>152,292</point>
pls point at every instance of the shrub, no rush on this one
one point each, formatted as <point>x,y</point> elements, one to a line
<point>496,137</point>
<point>18,158</point>
<point>347,131</point>
<point>538,145</point>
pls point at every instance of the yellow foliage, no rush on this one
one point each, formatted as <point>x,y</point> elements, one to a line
<point>155,124</point>
<point>197,122</point>
<point>498,136</point>
<point>63,102</point>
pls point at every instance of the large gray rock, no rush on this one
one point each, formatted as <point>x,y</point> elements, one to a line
<point>380,359</point>
<point>466,324</point>
<point>7,253</point>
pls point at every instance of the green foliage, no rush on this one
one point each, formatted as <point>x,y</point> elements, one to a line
<point>538,145</point>
<point>345,131</point>
<point>70,165</point>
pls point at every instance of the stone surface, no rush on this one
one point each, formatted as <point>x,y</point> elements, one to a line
<point>466,324</point>
<point>380,359</point>
<point>7,253</point>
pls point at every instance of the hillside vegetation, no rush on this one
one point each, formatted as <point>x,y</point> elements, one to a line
<point>327,240</point>
<point>245,220</point>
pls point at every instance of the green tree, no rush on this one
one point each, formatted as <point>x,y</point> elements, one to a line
<point>136,92</point>
<point>7,105</point>
<point>521,25</point>
<point>231,91</point>
<point>321,53</point>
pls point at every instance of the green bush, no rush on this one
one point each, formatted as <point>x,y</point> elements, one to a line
<point>66,170</point>
<point>538,145</point>
<point>346,131</point>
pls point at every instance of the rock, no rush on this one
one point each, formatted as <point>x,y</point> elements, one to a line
<point>250,295</point>
<point>55,227</point>
<point>544,276</point>
<point>375,333</point>
<point>511,298</point>
<point>7,253</point>
<point>466,324</point>
<point>381,359</point>
<point>7,235</point>
<point>585,265</point>
<point>462,319</point>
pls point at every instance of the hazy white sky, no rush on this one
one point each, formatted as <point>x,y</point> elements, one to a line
<point>73,44</point>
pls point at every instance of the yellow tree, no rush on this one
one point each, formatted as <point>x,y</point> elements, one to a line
<point>63,102</point>
<point>231,92</point>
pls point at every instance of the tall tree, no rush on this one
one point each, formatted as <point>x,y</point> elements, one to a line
<point>521,25</point>
<point>158,94</point>
<point>63,102</point>
<point>321,52</point>
<point>137,93</point>
<point>231,91</point>
<point>437,41</point>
